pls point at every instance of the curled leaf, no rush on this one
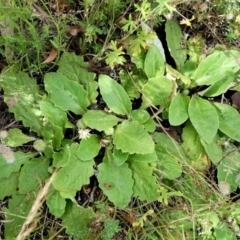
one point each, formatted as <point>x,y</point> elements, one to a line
<point>52,55</point>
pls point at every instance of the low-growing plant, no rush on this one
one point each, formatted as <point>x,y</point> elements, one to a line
<point>85,125</point>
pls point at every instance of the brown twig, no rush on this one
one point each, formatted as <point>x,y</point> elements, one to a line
<point>26,227</point>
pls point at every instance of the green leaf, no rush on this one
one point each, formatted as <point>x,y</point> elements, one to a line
<point>175,42</point>
<point>133,138</point>
<point>21,94</point>
<point>6,169</point>
<point>56,204</point>
<point>74,68</point>
<point>139,115</point>
<point>213,150</point>
<point>118,157</point>
<point>99,120</point>
<point>132,83</point>
<point>150,157</point>
<point>157,91</point>
<point>16,138</point>
<point>68,180</point>
<point>32,173</point>
<point>53,114</point>
<point>173,147</point>
<point>66,94</point>
<point>219,87</point>
<point>52,134</point>
<point>223,232</point>
<point>145,184</point>
<point>18,209</point>
<point>229,120</point>
<point>191,142</point>
<point>229,168</point>
<point>8,185</point>
<point>62,158</point>
<point>76,220</point>
<point>188,68</point>
<point>89,148</point>
<point>114,95</point>
<point>116,182</point>
<point>204,118</point>
<point>144,118</point>
<point>214,66</point>
<point>154,63</point>
<point>150,125</point>
<point>168,164</point>
<point>178,110</point>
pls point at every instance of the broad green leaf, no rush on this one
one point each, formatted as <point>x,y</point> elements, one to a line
<point>175,42</point>
<point>76,220</point>
<point>116,182</point>
<point>89,148</point>
<point>74,68</point>
<point>157,91</point>
<point>204,118</point>
<point>219,87</point>
<point>150,157</point>
<point>150,125</point>
<point>229,120</point>
<point>66,94</point>
<point>32,173</point>
<point>213,150</point>
<point>191,142</point>
<point>168,164</point>
<point>145,184</point>
<point>132,83</point>
<point>53,114</point>
<point>154,63</point>
<point>6,169</point>
<point>178,110</point>
<point>16,138</point>
<point>144,118</point>
<point>229,168</point>
<point>18,209</point>
<point>71,65</point>
<point>114,95</point>
<point>68,179</point>
<point>188,68</point>
<point>140,115</point>
<point>62,158</point>
<point>139,59</point>
<point>21,94</point>
<point>118,157</point>
<point>171,145</point>
<point>52,134</point>
<point>214,66</point>
<point>131,137</point>
<point>99,120</point>
<point>223,232</point>
<point>8,185</point>
<point>56,204</point>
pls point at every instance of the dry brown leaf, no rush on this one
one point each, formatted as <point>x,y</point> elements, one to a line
<point>73,30</point>
<point>53,54</point>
